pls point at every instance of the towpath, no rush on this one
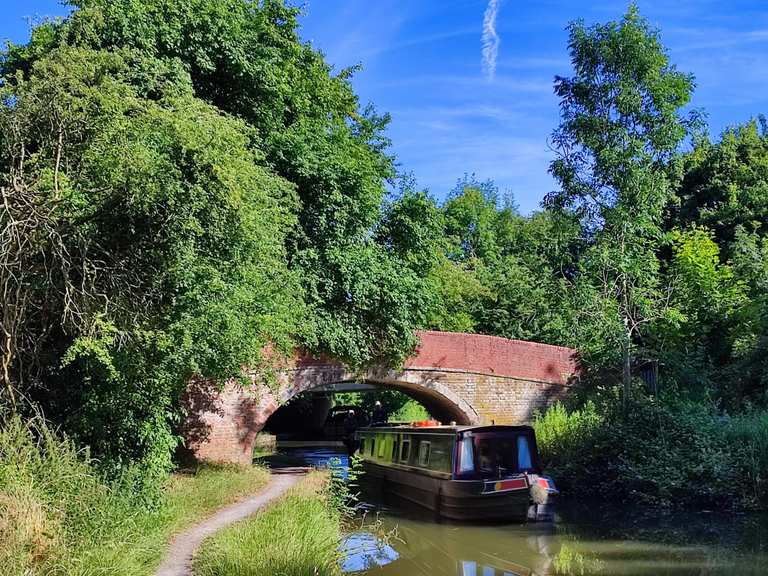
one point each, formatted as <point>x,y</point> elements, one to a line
<point>178,559</point>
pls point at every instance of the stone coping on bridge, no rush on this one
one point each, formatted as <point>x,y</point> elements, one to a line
<point>483,354</point>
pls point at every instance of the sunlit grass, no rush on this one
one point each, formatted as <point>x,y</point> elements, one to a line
<point>59,518</point>
<point>297,536</point>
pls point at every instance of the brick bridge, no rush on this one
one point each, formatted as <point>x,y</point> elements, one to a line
<point>466,378</point>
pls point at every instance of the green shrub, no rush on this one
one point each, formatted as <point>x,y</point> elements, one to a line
<point>560,433</point>
<point>411,411</point>
<point>747,438</point>
<point>658,453</point>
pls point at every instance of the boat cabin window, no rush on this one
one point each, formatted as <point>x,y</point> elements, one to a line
<point>405,451</point>
<point>466,455</point>
<point>382,447</point>
<point>523,454</point>
<point>441,453</point>
<point>424,448</point>
<point>395,450</point>
<point>371,445</point>
<point>498,455</point>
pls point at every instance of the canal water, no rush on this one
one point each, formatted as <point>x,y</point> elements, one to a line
<point>584,540</point>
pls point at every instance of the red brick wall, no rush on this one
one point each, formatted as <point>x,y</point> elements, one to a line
<point>482,354</point>
<point>495,356</point>
<point>477,379</point>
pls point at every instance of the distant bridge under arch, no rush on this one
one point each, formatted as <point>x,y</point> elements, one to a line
<point>466,378</point>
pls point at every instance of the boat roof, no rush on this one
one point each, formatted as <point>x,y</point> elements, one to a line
<point>446,428</point>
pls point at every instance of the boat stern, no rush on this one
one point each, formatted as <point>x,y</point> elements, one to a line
<point>543,496</point>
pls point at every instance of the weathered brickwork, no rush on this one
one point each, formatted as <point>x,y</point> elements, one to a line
<point>467,378</point>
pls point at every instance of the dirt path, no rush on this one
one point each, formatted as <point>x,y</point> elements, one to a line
<point>178,559</point>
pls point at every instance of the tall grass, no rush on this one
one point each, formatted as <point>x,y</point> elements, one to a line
<point>747,434</point>
<point>58,517</point>
<point>298,536</point>
<point>560,431</point>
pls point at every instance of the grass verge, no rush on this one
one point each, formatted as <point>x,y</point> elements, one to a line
<point>297,536</point>
<point>58,517</point>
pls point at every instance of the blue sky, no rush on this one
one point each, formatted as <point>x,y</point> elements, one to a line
<point>422,63</point>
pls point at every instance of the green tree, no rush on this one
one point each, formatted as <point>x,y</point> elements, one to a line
<point>707,301</point>
<point>725,189</point>
<point>489,269</point>
<point>201,183</point>
<point>156,250</point>
<point>246,59</point>
<point>706,289</point>
<point>411,227</point>
<point>529,280</point>
<point>459,294</point>
<point>747,372</point>
<point>473,219</point>
<point>726,184</point>
<point>620,128</point>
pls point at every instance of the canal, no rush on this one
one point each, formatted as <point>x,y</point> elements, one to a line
<point>391,539</point>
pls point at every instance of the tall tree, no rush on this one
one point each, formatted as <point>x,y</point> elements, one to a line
<point>183,182</point>
<point>621,125</point>
<point>150,247</point>
<point>245,58</point>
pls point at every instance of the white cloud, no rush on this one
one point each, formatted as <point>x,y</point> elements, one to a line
<point>490,39</point>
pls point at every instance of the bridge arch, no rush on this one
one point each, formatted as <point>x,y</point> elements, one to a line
<point>439,398</point>
<point>466,378</point>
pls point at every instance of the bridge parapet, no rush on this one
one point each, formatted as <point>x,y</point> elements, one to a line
<point>495,356</point>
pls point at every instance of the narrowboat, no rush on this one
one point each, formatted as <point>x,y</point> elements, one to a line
<point>459,472</point>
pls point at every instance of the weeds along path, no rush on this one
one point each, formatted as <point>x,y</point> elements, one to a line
<point>178,559</point>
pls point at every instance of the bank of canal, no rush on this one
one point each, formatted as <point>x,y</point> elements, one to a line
<point>584,540</point>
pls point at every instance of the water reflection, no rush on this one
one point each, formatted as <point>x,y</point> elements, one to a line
<point>364,550</point>
<point>426,547</point>
<point>577,546</point>
<point>584,541</point>
<point>317,457</point>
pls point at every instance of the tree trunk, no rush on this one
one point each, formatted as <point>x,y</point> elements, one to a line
<point>627,371</point>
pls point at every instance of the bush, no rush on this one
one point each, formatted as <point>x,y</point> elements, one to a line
<point>663,454</point>
<point>411,411</point>
<point>747,437</point>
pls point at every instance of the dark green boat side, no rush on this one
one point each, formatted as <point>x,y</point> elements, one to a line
<point>459,472</point>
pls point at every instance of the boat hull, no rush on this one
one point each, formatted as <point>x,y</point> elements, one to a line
<point>469,500</point>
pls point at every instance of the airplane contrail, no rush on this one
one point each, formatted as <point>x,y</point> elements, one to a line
<point>491,39</point>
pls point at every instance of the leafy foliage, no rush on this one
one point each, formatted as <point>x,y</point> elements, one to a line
<point>246,59</point>
<point>182,185</point>
<point>182,232</point>
<point>671,454</point>
<point>724,187</point>
<point>620,129</point>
